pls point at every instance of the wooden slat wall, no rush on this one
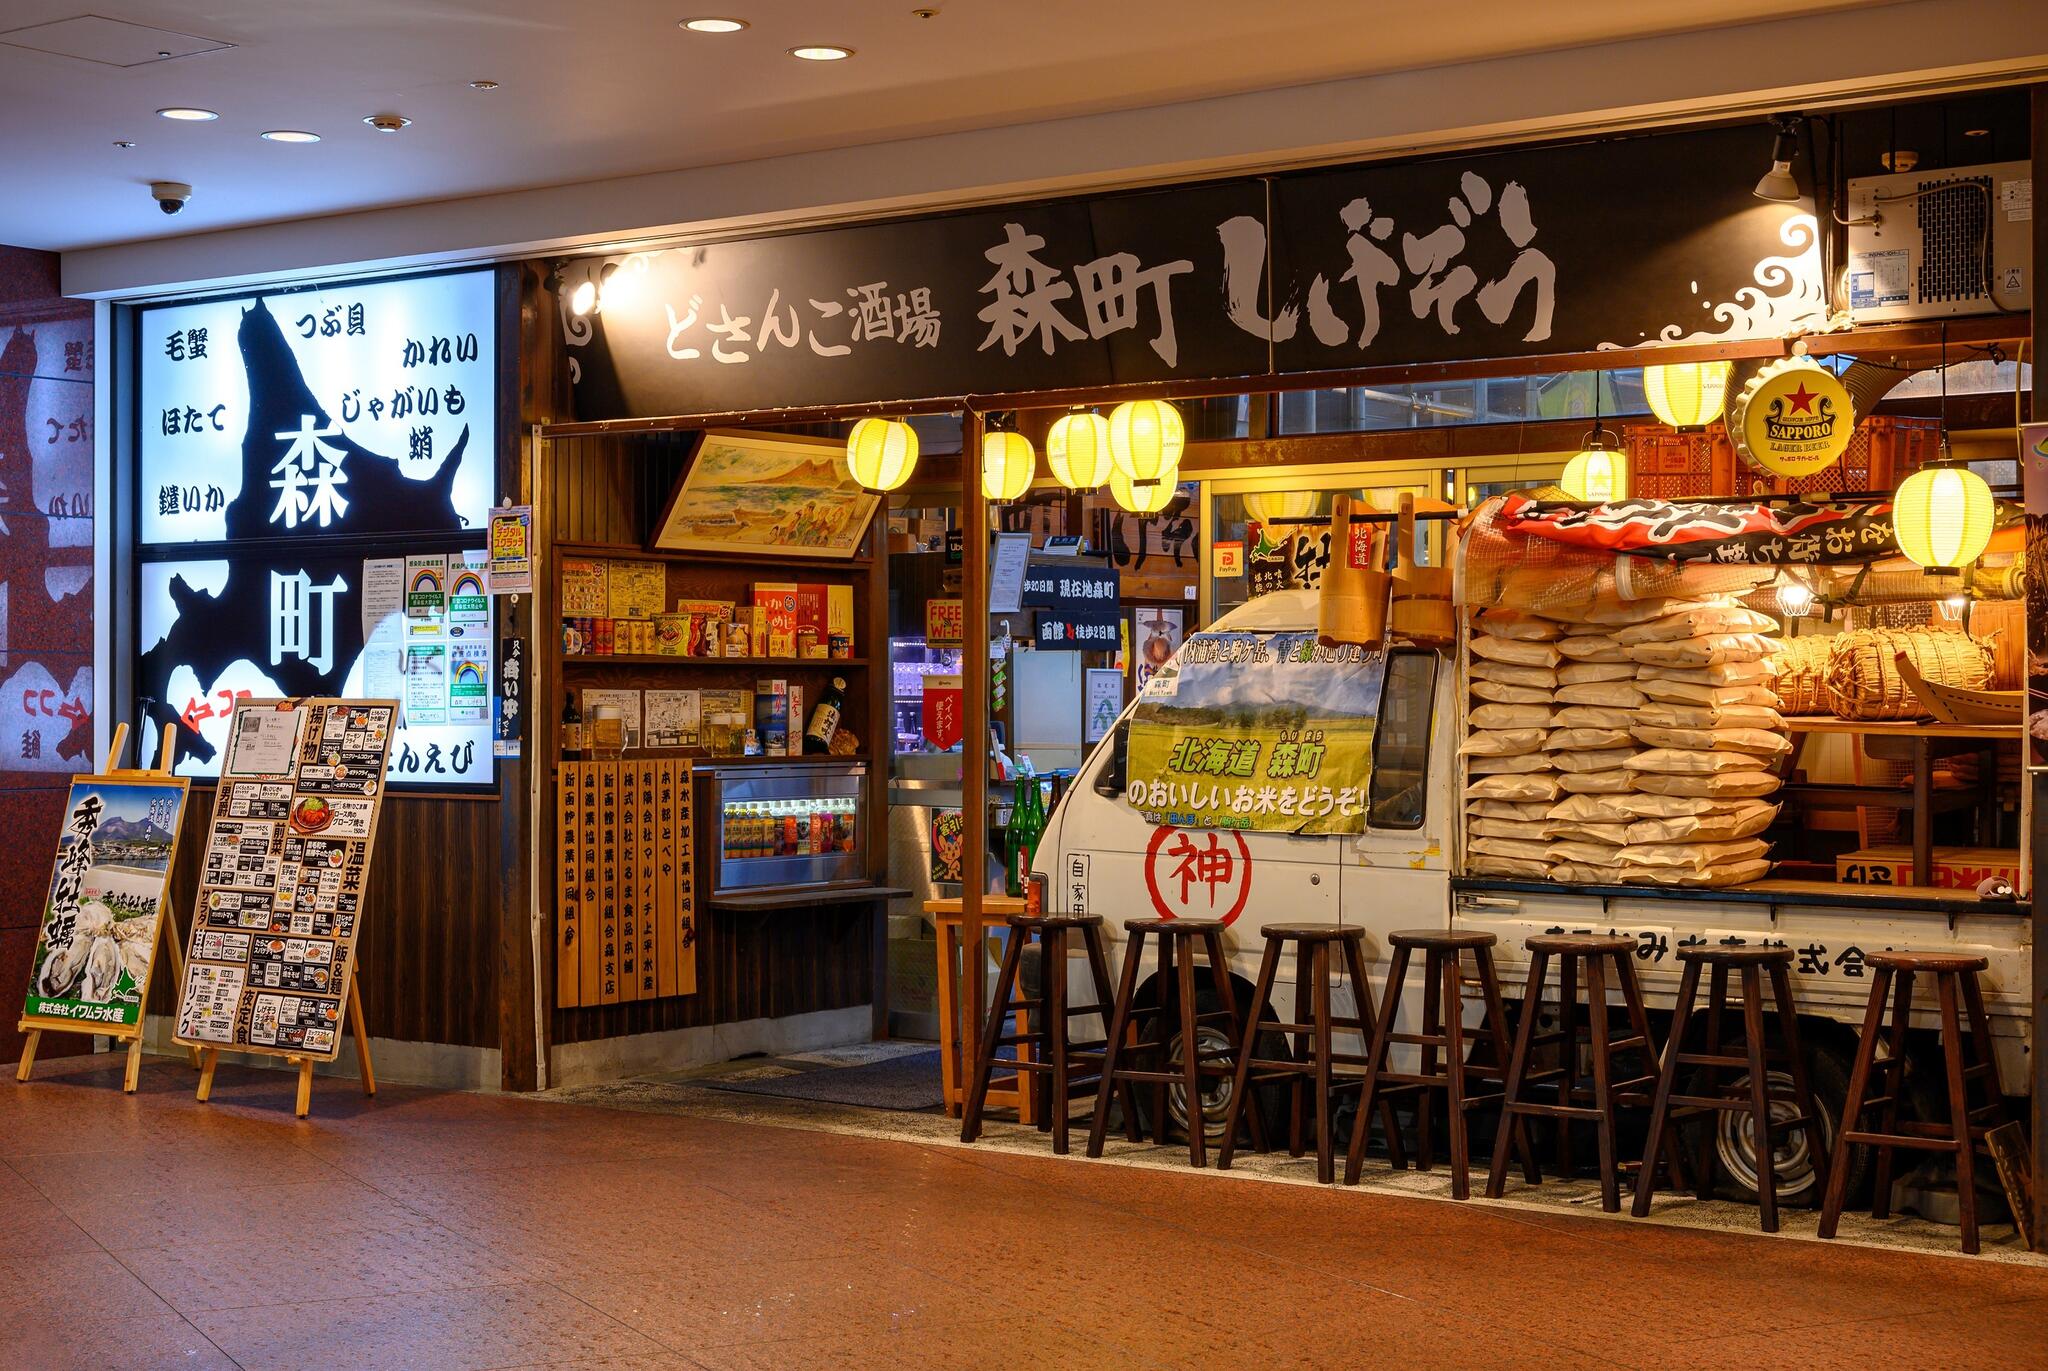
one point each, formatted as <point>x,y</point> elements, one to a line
<point>749,966</point>
<point>428,968</point>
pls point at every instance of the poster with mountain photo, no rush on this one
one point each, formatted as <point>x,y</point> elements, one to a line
<point>751,493</point>
<point>107,892</point>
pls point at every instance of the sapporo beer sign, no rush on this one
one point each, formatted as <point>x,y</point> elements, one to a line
<point>1793,419</point>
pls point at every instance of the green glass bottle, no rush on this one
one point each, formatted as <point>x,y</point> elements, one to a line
<point>1027,826</point>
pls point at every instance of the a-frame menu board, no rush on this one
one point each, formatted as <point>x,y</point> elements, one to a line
<point>271,961</point>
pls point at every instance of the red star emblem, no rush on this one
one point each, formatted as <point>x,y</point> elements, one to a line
<point>1802,399</point>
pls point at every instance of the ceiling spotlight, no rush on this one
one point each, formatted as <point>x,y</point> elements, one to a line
<point>1976,133</point>
<point>190,114</point>
<point>1778,184</point>
<point>714,25</point>
<point>124,142</point>
<point>582,298</point>
<point>821,52</point>
<point>483,85</point>
<point>387,123</point>
<point>290,136</point>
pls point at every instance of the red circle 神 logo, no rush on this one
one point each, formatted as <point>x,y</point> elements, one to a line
<point>1198,873</point>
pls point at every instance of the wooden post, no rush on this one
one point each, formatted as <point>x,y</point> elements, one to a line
<point>974,759</point>
<point>2036,614</point>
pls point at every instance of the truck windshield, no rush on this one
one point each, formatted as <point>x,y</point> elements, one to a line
<point>1266,731</point>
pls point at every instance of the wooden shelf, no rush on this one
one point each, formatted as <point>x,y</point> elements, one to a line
<point>618,553</point>
<point>666,659</point>
<point>1903,728</point>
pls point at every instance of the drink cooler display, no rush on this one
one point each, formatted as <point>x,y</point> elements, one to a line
<point>787,825</point>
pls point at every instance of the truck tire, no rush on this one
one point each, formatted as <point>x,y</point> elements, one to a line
<point>1215,1099</point>
<point>1728,1141</point>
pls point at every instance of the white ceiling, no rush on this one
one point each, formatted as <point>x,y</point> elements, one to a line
<point>591,89</point>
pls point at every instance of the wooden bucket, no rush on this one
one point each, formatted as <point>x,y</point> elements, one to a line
<point>1421,610</point>
<point>1352,605</point>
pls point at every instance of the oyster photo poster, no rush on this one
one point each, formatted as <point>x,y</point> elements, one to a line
<point>287,858</point>
<point>99,927</point>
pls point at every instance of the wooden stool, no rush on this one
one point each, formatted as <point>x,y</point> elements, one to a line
<point>1314,1056</point>
<point>1055,1057</point>
<point>1175,939</point>
<point>1955,976</point>
<point>948,924</point>
<point>1443,1029</point>
<point>1713,1098</point>
<point>1593,951</point>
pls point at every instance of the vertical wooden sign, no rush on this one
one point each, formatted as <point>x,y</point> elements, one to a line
<point>569,891</point>
<point>625,913</point>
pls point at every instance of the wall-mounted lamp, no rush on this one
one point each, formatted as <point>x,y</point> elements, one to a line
<point>1778,184</point>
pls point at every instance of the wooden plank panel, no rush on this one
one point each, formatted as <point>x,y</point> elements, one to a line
<point>568,891</point>
<point>664,867</point>
<point>683,884</point>
<point>647,914</point>
<point>629,880</point>
<point>609,875</point>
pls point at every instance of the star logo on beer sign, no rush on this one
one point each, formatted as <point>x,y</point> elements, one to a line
<point>1802,399</point>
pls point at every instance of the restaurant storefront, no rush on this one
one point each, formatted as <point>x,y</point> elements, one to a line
<point>618,837</point>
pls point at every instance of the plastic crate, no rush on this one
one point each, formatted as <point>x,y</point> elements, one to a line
<point>1672,464</point>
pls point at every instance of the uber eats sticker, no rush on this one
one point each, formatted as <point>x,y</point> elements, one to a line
<point>1264,731</point>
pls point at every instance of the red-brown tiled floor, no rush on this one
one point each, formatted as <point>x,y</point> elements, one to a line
<point>426,1229</point>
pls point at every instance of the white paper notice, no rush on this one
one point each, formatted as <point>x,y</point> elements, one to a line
<point>426,684</point>
<point>383,627</point>
<point>1006,573</point>
<point>627,702</point>
<point>263,742</point>
<point>672,718</point>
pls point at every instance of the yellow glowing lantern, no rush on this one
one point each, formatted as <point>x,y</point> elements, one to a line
<point>1687,394</point>
<point>1145,439</point>
<point>1077,450</point>
<point>1275,506</point>
<point>881,453</point>
<point>1944,517</point>
<point>1007,465</point>
<point>1596,476</point>
<point>1141,497</point>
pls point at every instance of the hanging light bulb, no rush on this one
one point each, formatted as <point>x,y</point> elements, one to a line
<point>881,453</point>
<point>1687,394</point>
<point>1795,599</point>
<point>1277,506</point>
<point>1146,438</point>
<point>1077,450</point>
<point>1007,466</point>
<point>1144,497</point>
<point>1944,517</point>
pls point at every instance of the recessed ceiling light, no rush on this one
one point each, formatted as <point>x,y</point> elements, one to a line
<point>387,123</point>
<point>1976,133</point>
<point>483,85</point>
<point>821,52</point>
<point>290,136</point>
<point>189,113</point>
<point>124,142</point>
<point>714,25</point>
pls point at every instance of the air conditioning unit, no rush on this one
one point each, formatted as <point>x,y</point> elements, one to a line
<point>1918,242</point>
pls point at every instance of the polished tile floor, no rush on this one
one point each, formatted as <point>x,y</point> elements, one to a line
<point>429,1229</point>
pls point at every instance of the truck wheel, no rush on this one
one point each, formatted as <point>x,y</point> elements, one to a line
<point>1214,1101</point>
<point>1729,1140</point>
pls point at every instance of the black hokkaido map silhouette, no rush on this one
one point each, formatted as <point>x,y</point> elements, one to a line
<point>212,632</point>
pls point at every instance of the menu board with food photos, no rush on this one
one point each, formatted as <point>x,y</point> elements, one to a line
<point>286,860</point>
<point>626,921</point>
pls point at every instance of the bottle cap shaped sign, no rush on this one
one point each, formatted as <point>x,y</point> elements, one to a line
<point>1794,418</point>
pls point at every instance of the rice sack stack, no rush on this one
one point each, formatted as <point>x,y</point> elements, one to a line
<point>1709,736</point>
<point>1659,731</point>
<point>1510,777</point>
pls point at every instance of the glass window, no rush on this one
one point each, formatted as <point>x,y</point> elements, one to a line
<point>1400,745</point>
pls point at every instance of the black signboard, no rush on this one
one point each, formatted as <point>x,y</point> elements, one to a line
<point>1064,584</point>
<point>1653,238</point>
<point>1081,630</point>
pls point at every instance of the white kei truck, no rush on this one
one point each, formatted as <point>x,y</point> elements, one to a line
<point>1102,854</point>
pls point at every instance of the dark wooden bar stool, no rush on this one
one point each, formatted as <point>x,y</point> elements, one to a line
<point>1592,952</point>
<point>1068,1065</point>
<point>1442,1031</point>
<point>1755,1056</point>
<point>1175,941</point>
<point>1314,1058</point>
<point>1955,978</point>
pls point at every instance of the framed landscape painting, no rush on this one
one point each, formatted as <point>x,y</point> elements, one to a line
<point>763,494</point>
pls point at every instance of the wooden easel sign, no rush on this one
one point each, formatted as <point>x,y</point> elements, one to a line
<point>107,908</point>
<point>271,963</point>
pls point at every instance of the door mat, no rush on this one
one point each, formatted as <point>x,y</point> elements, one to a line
<point>902,1083</point>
